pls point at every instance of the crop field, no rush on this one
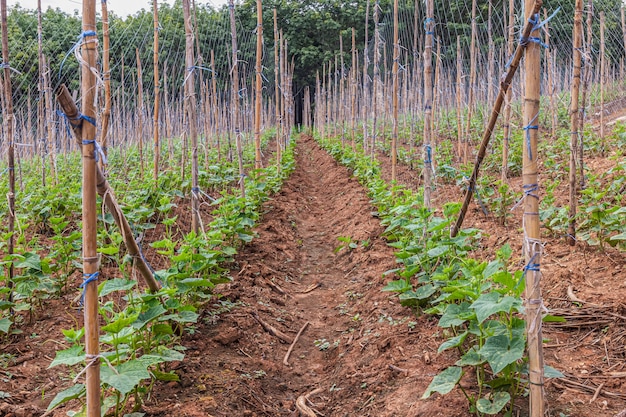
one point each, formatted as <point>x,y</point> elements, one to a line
<point>313,208</point>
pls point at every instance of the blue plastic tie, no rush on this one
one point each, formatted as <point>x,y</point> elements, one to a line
<point>76,45</point>
<point>527,129</point>
<point>98,151</point>
<point>87,278</point>
<point>428,159</point>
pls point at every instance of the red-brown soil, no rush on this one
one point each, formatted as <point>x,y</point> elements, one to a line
<point>362,354</point>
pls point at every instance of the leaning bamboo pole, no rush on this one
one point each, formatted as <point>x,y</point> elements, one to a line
<point>236,117</point>
<point>155,116</point>
<point>395,70</point>
<point>106,77</point>
<point>8,122</point>
<point>505,84</point>
<point>88,52</point>
<point>259,86</point>
<point>532,238</point>
<point>429,27</point>
<point>190,107</point>
<point>574,115</point>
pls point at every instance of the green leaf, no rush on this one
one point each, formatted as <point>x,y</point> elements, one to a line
<point>64,396</point>
<point>120,324</point>
<point>444,382</point>
<point>501,351</point>
<point>549,318</point>
<point>400,286</point>
<point>117,284</point>
<point>453,342</point>
<point>455,315</point>
<point>492,268</point>
<point>498,402</point>
<point>109,250</point>
<point>621,236</point>
<point>163,355</point>
<point>438,251</point>
<point>471,358</point>
<point>71,356</point>
<point>149,315</point>
<point>166,376</point>
<point>129,375</point>
<point>491,303</point>
<point>550,372</point>
<point>5,325</point>
<point>31,261</point>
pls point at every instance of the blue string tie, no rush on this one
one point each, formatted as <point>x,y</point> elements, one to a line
<point>98,151</point>
<point>87,278</point>
<point>527,129</point>
<point>82,36</point>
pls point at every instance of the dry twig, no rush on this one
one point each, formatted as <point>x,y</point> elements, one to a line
<point>286,359</point>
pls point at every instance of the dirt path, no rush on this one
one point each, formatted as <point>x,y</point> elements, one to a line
<point>289,275</point>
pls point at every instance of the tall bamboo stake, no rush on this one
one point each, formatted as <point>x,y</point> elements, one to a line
<point>583,101</point>
<point>602,73</point>
<point>90,255</point>
<point>259,86</point>
<point>277,98</point>
<point>490,57</point>
<point>366,86</point>
<point>472,84</point>
<point>375,105</point>
<point>155,116</point>
<point>106,76</point>
<point>353,89</point>
<point>574,115</point>
<point>235,96</point>
<point>429,26</point>
<point>549,59</point>
<point>532,238</point>
<point>342,92</point>
<point>459,98</point>
<point>509,96</point>
<point>190,105</point>
<point>395,70</point>
<point>8,114</point>
<point>141,111</point>
<point>41,121</point>
<point>216,111</point>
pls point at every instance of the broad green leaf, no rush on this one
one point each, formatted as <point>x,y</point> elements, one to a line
<point>149,315</point>
<point>166,376</point>
<point>64,396</point>
<point>163,355</point>
<point>500,351</point>
<point>71,356</point>
<point>5,325</point>
<point>109,250</point>
<point>117,284</point>
<point>498,402</point>
<point>550,372</point>
<point>453,342</point>
<point>492,268</point>
<point>129,375</point>
<point>444,382</point>
<point>30,260</point>
<point>621,236</point>
<point>5,305</point>
<point>397,286</point>
<point>120,324</point>
<point>492,303</point>
<point>455,315</point>
<point>438,251</point>
<point>549,318</point>
<point>471,358</point>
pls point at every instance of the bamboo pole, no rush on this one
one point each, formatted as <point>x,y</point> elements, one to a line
<point>509,96</point>
<point>366,63</point>
<point>505,84</point>
<point>429,27</point>
<point>106,77</point>
<point>259,86</point>
<point>190,105</point>
<point>459,98</point>
<point>491,61</point>
<point>353,90</point>
<point>155,116</point>
<point>395,70</point>
<point>108,196</point>
<point>375,105</point>
<point>472,84</point>
<point>277,99</point>
<point>141,111</point>
<point>41,120</point>
<point>532,238</point>
<point>574,115</point>
<point>586,81</point>
<point>8,122</point>
<point>602,73</point>
<point>342,92</point>
<point>216,111</point>
<point>549,59</point>
<point>90,228</point>
<point>235,96</point>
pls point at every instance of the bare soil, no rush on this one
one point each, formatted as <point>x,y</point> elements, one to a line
<point>361,353</point>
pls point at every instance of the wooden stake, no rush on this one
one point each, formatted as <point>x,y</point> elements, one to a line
<point>88,50</point>
<point>472,84</point>
<point>395,70</point>
<point>574,115</point>
<point>41,110</point>
<point>216,111</point>
<point>459,98</point>
<point>509,96</point>
<point>602,73</point>
<point>495,113</point>
<point>586,81</point>
<point>106,76</point>
<point>353,90</point>
<point>235,96</point>
<point>375,105</point>
<point>155,117</point>
<point>532,243</point>
<point>549,54</point>
<point>190,105</point>
<point>8,122</point>
<point>277,98</point>
<point>366,86</point>
<point>259,85</point>
<point>429,26</point>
